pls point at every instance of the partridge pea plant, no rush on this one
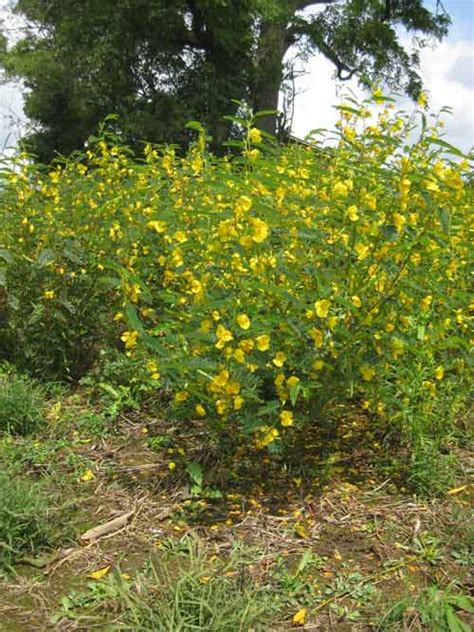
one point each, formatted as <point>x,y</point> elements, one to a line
<point>262,288</point>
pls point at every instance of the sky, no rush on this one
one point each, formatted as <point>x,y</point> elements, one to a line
<point>447,69</point>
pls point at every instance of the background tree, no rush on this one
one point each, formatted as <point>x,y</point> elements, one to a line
<point>159,63</point>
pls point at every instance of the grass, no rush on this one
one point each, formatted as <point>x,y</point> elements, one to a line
<point>187,589</point>
<point>434,609</point>
<point>25,515</point>
<point>183,587</point>
<point>22,405</point>
<point>324,529</point>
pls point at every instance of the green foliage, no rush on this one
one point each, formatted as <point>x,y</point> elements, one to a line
<point>25,521</point>
<point>437,609</point>
<point>184,589</point>
<point>255,293</point>
<point>22,404</point>
<point>433,468</point>
<point>156,65</point>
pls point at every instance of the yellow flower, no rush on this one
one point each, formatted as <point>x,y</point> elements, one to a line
<point>171,465</point>
<point>404,185</point>
<point>180,236</point>
<point>252,154</point>
<point>238,401</point>
<point>362,251</point>
<point>200,410</point>
<point>269,437</point>
<point>243,321</point>
<point>255,136</point>
<point>292,381</point>
<point>378,95</point>
<point>49,294</point>
<point>247,345</point>
<point>243,205</point>
<point>196,287</point>
<point>260,230</point>
<point>356,301</point>
<point>129,338</point>
<point>279,359</point>
<point>221,407</point>
<point>279,380</point>
<point>239,355</point>
<point>322,307</point>
<point>317,336</point>
<point>340,189</point>
<point>219,381</point>
<point>263,342</point>
<point>286,418</point>
<point>423,100</point>
<point>232,388</point>
<point>367,372</point>
<point>352,213</point>
<point>181,396</point>
<point>223,336</point>
<point>152,366</point>
<point>87,476</point>
<point>318,365</point>
<point>426,302</point>
<point>398,221</point>
<point>439,373</point>
<point>159,227</point>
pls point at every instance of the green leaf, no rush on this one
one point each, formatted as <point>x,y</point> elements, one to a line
<point>445,219</point>
<point>268,408</point>
<point>262,113</point>
<point>294,392</point>
<point>133,318</point>
<point>464,602</point>
<point>6,256</point>
<point>454,622</point>
<point>45,257</point>
<point>449,148</point>
<point>195,472</point>
<point>306,559</point>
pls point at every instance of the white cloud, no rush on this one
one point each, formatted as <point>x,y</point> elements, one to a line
<point>447,71</point>
<point>11,117</point>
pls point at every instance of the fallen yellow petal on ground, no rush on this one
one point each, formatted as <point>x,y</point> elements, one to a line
<point>102,572</point>
<point>300,617</point>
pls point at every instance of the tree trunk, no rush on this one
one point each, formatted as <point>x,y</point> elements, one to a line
<point>272,46</point>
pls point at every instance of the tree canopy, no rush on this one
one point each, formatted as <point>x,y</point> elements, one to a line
<point>159,63</point>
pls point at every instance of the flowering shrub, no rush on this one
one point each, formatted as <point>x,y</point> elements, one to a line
<point>262,289</point>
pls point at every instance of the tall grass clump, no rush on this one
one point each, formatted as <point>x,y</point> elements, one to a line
<point>261,290</point>
<point>22,405</point>
<point>188,589</point>
<point>24,519</point>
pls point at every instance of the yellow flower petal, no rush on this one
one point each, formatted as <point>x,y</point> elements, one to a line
<point>299,617</point>
<point>102,572</point>
<point>87,476</point>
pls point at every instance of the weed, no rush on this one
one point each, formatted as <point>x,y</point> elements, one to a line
<point>435,609</point>
<point>431,471</point>
<point>183,589</point>
<point>24,519</point>
<point>203,595</point>
<point>160,442</point>
<point>22,404</point>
